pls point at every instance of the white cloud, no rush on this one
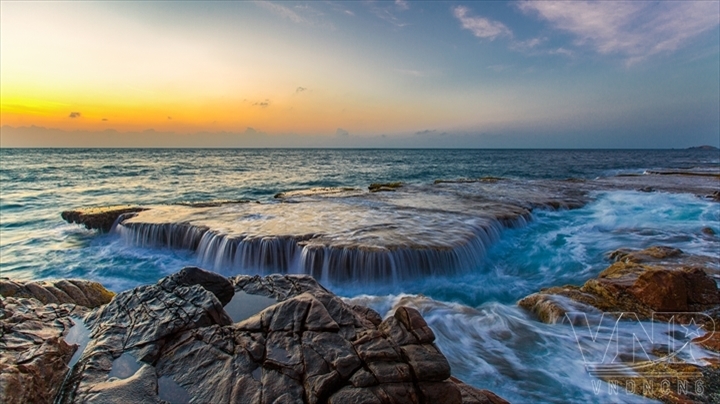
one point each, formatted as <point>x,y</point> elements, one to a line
<point>282,11</point>
<point>480,27</point>
<point>560,51</point>
<point>529,44</point>
<point>633,29</point>
<point>402,4</point>
<point>310,17</point>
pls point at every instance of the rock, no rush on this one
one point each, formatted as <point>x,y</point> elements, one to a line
<point>472,395</point>
<point>174,339</point>
<point>34,355</point>
<point>660,283</point>
<point>646,282</point>
<point>390,186</point>
<point>74,291</point>
<point>661,290</point>
<point>708,231</point>
<point>99,218</point>
<point>212,282</point>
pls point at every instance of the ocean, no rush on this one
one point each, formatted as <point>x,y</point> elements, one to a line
<point>490,342</point>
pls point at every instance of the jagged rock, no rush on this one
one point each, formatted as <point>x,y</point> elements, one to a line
<point>174,342</point>
<point>33,353</point>
<point>73,291</point>
<point>99,218</point>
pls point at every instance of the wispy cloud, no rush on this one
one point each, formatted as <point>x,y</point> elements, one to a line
<point>261,104</point>
<point>282,11</point>
<point>300,89</point>
<point>74,115</point>
<point>341,132</point>
<point>300,15</point>
<point>635,30</point>
<point>529,43</point>
<point>481,27</point>
<point>388,11</point>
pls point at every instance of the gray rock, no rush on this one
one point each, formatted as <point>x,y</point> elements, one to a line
<point>173,342</point>
<point>212,282</point>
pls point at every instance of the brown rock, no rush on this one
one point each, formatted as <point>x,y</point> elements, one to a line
<point>473,395</point>
<point>74,291</point>
<point>661,290</point>
<point>99,218</point>
<point>34,355</point>
<point>440,392</point>
<point>427,363</point>
<point>353,395</point>
<point>415,323</point>
<point>701,289</point>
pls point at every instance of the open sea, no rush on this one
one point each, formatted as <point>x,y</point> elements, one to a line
<point>490,342</point>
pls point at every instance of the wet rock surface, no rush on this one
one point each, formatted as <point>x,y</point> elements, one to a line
<point>174,342</point>
<point>73,291</point>
<point>646,282</point>
<point>101,218</point>
<point>661,284</point>
<point>35,318</point>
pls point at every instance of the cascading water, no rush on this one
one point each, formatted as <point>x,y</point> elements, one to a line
<point>319,256</point>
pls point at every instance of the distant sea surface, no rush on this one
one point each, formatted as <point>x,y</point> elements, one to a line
<point>472,314</point>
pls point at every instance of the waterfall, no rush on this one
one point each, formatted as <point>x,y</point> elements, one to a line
<point>319,256</point>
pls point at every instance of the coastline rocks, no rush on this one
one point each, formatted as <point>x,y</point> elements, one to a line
<point>35,318</point>
<point>72,291</point>
<point>658,283</point>
<point>174,342</point>
<point>98,218</point>
<point>651,281</point>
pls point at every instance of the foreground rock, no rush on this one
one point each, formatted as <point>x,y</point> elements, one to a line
<point>175,342</point>
<point>35,318</point>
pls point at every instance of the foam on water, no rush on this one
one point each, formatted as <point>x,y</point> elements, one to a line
<point>504,349</point>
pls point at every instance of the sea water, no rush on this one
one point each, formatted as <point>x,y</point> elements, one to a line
<point>490,342</point>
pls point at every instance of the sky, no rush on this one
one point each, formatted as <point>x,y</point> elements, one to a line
<point>481,74</point>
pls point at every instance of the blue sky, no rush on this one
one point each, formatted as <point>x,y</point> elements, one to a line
<point>627,74</point>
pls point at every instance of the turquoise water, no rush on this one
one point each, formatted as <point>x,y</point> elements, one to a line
<point>489,341</point>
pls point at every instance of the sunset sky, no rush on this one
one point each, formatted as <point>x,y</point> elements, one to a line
<point>360,73</point>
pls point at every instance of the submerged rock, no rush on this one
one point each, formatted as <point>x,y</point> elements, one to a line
<point>174,342</point>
